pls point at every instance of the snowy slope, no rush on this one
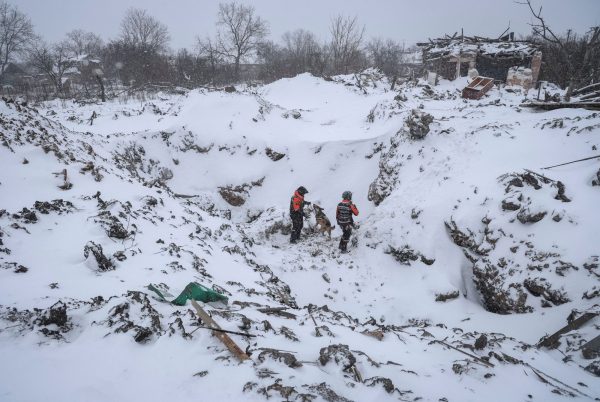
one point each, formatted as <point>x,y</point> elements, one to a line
<point>174,189</point>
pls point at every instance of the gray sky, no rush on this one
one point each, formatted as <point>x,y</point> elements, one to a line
<point>403,20</point>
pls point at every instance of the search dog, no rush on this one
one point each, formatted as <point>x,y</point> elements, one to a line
<point>323,223</point>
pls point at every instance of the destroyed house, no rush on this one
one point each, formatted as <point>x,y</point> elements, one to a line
<point>452,56</point>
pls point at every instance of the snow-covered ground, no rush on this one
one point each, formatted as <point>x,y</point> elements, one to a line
<point>174,189</point>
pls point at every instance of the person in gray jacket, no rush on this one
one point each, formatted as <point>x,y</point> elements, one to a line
<point>345,212</point>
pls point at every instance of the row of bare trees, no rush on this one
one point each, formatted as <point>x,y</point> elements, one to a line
<point>16,33</point>
<point>570,60</point>
<point>240,49</point>
<point>241,35</point>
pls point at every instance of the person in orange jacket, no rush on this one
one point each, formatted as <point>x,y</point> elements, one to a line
<point>344,216</point>
<point>297,212</point>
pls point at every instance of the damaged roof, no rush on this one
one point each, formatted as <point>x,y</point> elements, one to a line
<point>465,45</point>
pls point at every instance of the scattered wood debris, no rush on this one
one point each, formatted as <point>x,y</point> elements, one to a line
<point>568,163</point>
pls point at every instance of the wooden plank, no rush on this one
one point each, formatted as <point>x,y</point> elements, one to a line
<point>357,376</point>
<point>223,337</point>
<point>272,309</point>
<point>474,83</point>
<point>477,88</point>
<point>554,105</point>
<point>476,358</point>
<point>591,350</point>
<point>488,85</point>
<point>591,95</point>
<point>586,89</point>
<point>568,163</point>
<point>541,375</point>
<point>552,341</point>
<point>280,311</point>
<point>223,330</point>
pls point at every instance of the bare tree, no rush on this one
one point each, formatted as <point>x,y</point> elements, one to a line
<point>141,30</point>
<point>52,61</point>
<point>85,48</point>
<point>140,50</point>
<point>273,62</point>
<point>386,56</point>
<point>302,51</point>
<point>346,39</point>
<point>574,67</point>
<point>82,43</point>
<point>241,31</point>
<point>207,50</point>
<point>16,32</point>
<point>185,68</point>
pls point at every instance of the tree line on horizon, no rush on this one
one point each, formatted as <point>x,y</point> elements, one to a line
<point>83,63</point>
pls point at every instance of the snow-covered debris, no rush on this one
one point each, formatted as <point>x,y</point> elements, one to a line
<point>417,124</point>
<point>461,46</point>
<point>461,225</point>
<point>416,127</point>
<point>509,269</point>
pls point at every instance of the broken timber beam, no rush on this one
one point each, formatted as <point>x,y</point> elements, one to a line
<point>176,195</point>
<point>551,341</point>
<point>224,331</point>
<point>590,96</point>
<point>272,309</point>
<point>280,311</point>
<point>223,337</point>
<point>559,105</point>
<point>568,163</point>
<point>476,358</point>
<point>586,89</point>
<point>591,349</point>
<point>542,376</point>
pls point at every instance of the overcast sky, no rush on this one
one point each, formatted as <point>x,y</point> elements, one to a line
<point>407,21</point>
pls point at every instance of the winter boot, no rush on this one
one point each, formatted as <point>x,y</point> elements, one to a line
<point>343,246</point>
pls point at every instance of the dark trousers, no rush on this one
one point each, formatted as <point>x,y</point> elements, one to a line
<point>347,231</point>
<point>297,223</point>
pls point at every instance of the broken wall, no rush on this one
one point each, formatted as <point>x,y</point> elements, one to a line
<point>446,67</point>
<point>520,76</point>
<point>536,65</point>
<point>497,67</point>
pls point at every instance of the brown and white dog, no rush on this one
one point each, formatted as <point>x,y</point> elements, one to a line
<point>323,222</point>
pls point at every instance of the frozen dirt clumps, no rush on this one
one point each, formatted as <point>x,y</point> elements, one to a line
<point>415,127</point>
<point>512,270</point>
<point>417,124</point>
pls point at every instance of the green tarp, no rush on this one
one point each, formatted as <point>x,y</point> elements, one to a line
<point>193,291</point>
